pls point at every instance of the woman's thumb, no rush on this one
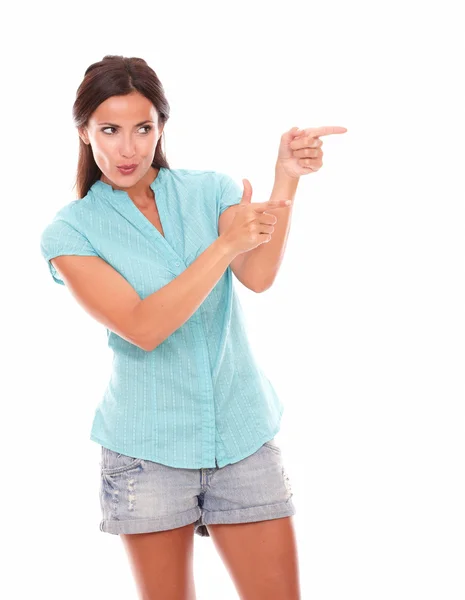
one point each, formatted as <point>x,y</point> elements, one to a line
<point>247,194</point>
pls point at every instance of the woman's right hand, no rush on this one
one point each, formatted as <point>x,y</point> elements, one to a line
<point>251,225</point>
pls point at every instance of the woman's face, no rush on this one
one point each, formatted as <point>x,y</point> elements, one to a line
<point>123,130</point>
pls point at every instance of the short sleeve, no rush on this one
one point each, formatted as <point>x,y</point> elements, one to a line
<point>230,192</point>
<point>60,238</point>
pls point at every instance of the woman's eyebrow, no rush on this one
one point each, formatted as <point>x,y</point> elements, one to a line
<point>114,124</point>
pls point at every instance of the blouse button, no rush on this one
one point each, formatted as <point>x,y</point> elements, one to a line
<point>177,263</point>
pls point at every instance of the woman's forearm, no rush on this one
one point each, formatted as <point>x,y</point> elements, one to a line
<point>157,316</point>
<point>263,263</point>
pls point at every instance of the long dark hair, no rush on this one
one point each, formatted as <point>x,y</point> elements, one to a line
<point>114,76</point>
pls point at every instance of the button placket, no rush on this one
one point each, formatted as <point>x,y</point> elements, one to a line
<point>209,406</point>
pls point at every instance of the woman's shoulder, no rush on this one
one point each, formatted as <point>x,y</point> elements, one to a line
<point>72,214</point>
<point>191,175</point>
<point>207,174</point>
<point>205,180</point>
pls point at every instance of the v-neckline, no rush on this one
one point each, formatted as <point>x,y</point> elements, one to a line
<point>122,202</point>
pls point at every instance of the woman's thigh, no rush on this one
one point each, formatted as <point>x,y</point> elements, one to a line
<point>162,563</point>
<point>261,558</point>
<point>248,511</point>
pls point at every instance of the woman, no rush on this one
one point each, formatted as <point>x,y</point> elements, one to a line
<point>187,421</point>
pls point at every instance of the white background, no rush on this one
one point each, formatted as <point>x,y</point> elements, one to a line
<point>361,334</point>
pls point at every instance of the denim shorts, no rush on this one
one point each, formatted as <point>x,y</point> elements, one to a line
<point>141,496</point>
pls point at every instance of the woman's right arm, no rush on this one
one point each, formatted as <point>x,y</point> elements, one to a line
<point>110,299</point>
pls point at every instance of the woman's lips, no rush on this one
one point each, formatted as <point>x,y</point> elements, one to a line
<point>126,171</point>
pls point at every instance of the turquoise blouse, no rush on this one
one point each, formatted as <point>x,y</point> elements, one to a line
<point>199,399</point>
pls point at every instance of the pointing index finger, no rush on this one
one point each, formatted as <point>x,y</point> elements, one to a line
<point>326,130</point>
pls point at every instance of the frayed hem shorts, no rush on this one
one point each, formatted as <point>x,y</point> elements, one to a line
<point>141,496</point>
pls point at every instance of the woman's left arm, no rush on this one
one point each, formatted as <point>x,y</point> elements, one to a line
<point>299,153</point>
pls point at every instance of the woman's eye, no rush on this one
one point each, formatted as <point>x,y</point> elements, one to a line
<point>148,127</point>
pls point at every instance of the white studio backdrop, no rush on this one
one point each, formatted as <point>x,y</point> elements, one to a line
<point>361,334</point>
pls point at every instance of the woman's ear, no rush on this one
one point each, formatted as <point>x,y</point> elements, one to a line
<point>82,131</point>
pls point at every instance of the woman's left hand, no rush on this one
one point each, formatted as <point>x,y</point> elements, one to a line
<point>300,149</point>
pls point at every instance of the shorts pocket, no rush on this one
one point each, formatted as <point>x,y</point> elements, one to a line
<point>273,446</point>
<point>115,462</point>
